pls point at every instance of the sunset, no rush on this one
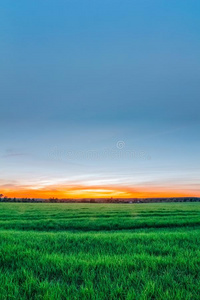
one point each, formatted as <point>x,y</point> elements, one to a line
<point>100,92</point>
<point>100,150</point>
<point>94,191</point>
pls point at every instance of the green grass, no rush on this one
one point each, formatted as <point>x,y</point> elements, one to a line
<point>100,251</point>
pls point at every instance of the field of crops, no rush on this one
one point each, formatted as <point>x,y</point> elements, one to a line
<point>100,251</point>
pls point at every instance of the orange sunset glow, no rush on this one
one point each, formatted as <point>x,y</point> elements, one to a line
<point>76,192</point>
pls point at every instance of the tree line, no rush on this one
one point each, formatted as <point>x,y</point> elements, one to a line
<point>100,200</point>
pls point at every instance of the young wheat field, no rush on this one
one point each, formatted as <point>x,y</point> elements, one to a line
<point>100,251</point>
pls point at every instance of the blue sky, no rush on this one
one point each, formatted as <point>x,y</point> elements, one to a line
<point>79,76</point>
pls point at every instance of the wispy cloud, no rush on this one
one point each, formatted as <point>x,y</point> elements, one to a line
<point>11,152</point>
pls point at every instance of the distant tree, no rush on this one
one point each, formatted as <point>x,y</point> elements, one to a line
<point>53,200</point>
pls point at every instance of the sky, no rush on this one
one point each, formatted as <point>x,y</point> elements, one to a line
<point>99,98</point>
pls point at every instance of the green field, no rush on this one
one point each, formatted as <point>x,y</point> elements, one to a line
<point>100,251</point>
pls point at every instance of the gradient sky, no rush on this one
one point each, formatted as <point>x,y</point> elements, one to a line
<point>100,98</point>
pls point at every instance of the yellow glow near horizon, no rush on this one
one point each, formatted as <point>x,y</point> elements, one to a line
<point>81,191</point>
